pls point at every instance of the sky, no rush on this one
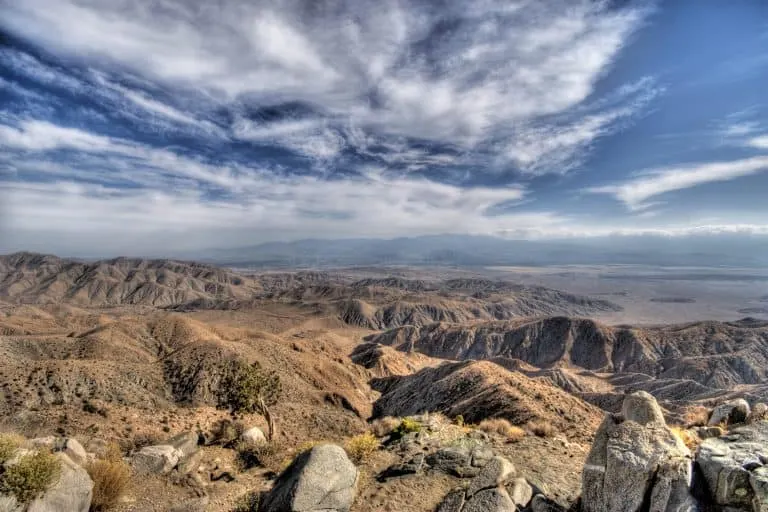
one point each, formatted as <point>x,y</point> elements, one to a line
<point>146,126</point>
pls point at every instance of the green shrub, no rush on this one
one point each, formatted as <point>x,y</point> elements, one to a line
<point>31,476</point>
<point>406,426</point>
<point>8,445</point>
<point>269,455</point>
<point>250,389</point>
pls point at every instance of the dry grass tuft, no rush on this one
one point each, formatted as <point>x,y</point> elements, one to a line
<point>31,476</point>
<point>110,480</point>
<point>360,448</point>
<point>248,502</point>
<point>697,416</point>
<point>541,428</point>
<point>382,427</point>
<point>270,456</point>
<point>503,428</point>
<point>690,439</point>
<point>9,443</point>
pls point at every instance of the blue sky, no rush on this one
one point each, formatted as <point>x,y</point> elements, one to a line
<point>131,126</point>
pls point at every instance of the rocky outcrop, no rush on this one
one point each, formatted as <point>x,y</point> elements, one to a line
<point>636,463</point>
<point>322,479</point>
<point>735,468</point>
<point>487,492</point>
<point>67,445</point>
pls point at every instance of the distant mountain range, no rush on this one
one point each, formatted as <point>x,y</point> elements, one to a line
<point>463,250</point>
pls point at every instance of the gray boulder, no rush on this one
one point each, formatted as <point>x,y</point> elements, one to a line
<point>253,435</point>
<point>464,460</point>
<point>67,445</point>
<point>541,503</point>
<point>634,465</point>
<point>642,408</point>
<point>734,467</point>
<point>494,474</point>
<point>320,479</point>
<point>156,460</point>
<point>72,492</point>
<point>730,413</point>
<point>490,500</point>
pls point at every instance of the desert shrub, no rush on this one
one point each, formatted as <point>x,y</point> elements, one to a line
<point>690,439</point>
<point>226,431</point>
<point>250,389</point>
<point>31,476</point>
<point>503,428</point>
<point>270,456</point>
<point>541,428</point>
<point>248,502</point>
<point>406,426</point>
<point>8,445</point>
<point>696,416</point>
<point>110,480</point>
<point>382,427</point>
<point>360,448</point>
<point>459,420</point>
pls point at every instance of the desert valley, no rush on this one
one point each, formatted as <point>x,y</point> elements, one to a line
<point>442,389</point>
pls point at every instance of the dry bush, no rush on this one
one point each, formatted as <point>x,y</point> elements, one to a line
<point>360,448</point>
<point>690,439</point>
<point>248,502</point>
<point>110,480</point>
<point>8,445</point>
<point>31,476</point>
<point>270,455</point>
<point>503,428</point>
<point>697,416</point>
<point>382,427</point>
<point>541,428</point>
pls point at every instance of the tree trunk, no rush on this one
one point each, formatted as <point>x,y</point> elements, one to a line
<point>269,418</point>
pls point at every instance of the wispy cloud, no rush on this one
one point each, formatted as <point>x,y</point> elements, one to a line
<point>485,76</point>
<point>636,192</point>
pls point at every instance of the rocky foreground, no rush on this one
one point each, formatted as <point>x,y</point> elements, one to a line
<point>636,463</point>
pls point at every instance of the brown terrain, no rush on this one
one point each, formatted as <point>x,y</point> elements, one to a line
<point>136,351</point>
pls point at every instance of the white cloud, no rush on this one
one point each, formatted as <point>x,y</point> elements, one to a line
<point>760,142</point>
<point>636,192</point>
<point>466,74</point>
<point>41,135</point>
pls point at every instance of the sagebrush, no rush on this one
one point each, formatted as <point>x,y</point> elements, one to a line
<point>8,445</point>
<point>31,476</point>
<point>360,448</point>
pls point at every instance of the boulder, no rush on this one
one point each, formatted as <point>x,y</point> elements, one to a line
<point>187,443</point>
<point>734,467</point>
<point>464,460</point>
<point>634,465</point>
<point>67,445</point>
<point>642,408</point>
<point>253,435</point>
<point>541,503</point>
<point>730,413</point>
<point>521,492</point>
<point>320,479</point>
<point>156,460</point>
<point>494,474</point>
<point>490,500</point>
<point>412,466</point>
<point>453,501</point>
<point>72,492</point>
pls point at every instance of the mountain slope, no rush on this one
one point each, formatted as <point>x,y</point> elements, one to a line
<point>40,279</point>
